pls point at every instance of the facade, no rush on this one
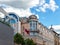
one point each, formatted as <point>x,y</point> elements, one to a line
<point>56,36</point>
<point>33,29</point>
<point>58,39</point>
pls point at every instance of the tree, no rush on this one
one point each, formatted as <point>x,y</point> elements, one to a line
<point>18,39</point>
<point>29,42</point>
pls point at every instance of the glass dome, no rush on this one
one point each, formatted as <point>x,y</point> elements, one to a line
<point>13,18</point>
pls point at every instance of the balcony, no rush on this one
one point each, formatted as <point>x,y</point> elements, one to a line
<point>37,31</point>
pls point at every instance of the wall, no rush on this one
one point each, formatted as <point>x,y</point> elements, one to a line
<point>6,34</point>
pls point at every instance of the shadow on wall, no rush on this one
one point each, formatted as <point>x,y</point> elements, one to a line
<point>6,34</point>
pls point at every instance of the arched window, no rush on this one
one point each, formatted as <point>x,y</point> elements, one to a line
<point>13,18</point>
<point>13,15</point>
<point>12,21</point>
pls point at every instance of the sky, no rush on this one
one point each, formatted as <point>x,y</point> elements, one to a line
<point>47,11</point>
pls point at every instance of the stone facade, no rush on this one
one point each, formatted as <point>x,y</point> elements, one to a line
<point>56,38</point>
<point>41,34</point>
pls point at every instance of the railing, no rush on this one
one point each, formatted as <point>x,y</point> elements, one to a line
<point>2,21</point>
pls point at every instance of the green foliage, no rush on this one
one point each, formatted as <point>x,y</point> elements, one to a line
<point>18,39</point>
<point>29,42</point>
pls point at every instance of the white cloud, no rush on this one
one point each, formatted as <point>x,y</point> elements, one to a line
<point>22,5</point>
<point>56,28</point>
<point>41,2</point>
<point>37,16</point>
<point>52,6</point>
<point>25,5</point>
<point>7,0</point>
<point>1,15</point>
<point>19,12</point>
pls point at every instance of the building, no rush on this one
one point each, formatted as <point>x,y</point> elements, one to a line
<point>59,39</point>
<point>13,21</point>
<point>6,32</point>
<point>11,18</point>
<point>56,36</point>
<point>33,29</point>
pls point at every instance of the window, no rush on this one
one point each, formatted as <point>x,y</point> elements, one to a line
<point>12,21</point>
<point>32,33</point>
<point>33,25</point>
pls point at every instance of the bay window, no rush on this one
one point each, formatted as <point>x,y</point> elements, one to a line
<point>33,27</point>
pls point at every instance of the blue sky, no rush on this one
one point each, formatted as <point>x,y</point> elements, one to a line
<point>49,17</point>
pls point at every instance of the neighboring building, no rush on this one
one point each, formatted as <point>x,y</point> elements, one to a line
<point>12,19</point>
<point>6,32</point>
<point>59,39</point>
<point>14,22</point>
<point>56,36</point>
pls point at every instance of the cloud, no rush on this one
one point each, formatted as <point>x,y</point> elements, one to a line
<point>51,5</point>
<point>56,28</point>
<point>19,12</point>
<point>21,3</point>
<point>24,4</point>
<point>7,0</point>
<point>1,15</point>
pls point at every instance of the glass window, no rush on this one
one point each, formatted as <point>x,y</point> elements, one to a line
<point>12,21</point>
<point>32,33</point>
<point>33,25</point>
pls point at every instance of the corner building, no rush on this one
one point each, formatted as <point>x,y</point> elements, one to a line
<point>33,29</point>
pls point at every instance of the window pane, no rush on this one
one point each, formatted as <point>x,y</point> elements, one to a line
<point>33,25</point>
<point>33,33</point>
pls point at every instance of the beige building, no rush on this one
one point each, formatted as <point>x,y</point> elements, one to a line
<point>32,28</point>
<point>56,36</point>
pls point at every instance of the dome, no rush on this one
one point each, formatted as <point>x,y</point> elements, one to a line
<point>32,17</point>
<point>14,15</point>
<point>14,18</point>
